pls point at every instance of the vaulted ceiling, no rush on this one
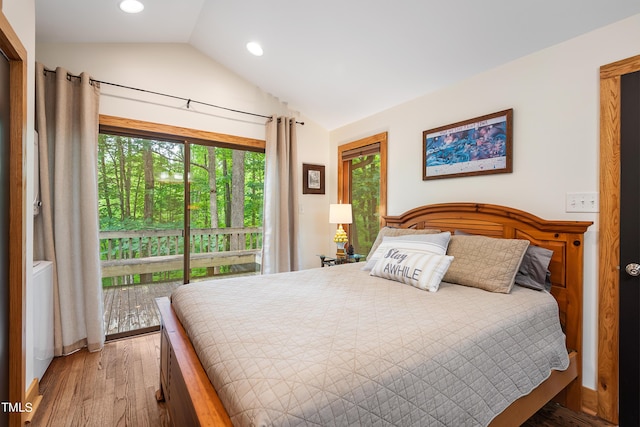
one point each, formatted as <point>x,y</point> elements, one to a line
<point>337,61</point>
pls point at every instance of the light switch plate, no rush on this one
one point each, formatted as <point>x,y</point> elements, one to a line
<point>582,202</point>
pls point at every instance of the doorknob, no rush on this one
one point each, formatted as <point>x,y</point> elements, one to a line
<point>633,269</point>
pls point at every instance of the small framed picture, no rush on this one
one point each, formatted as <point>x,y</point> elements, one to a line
<point>482,145</point>
<point>312,179</point>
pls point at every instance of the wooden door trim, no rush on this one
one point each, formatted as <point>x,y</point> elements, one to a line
<point>609,236</point>
<point>17,55</point>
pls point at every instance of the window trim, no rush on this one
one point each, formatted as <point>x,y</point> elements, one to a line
<point>129,127</point>
<point>343,171</point>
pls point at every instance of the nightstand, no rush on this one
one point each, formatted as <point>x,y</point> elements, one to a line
<point>329,261</point>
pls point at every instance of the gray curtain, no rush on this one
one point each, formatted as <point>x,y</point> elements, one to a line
<point>66,230</point>
<point>280,224</point>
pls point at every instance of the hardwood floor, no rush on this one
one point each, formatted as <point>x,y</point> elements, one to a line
<point>553,415</point>
<point>116,387</point>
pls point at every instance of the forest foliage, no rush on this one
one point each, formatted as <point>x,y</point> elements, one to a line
<point>141,185</point>
<point>365,201</point>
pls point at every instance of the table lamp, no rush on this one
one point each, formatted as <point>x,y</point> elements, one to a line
<point>340,214</point>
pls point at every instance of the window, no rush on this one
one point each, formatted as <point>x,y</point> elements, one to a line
<point>174,207</point>
<point>362,178</point>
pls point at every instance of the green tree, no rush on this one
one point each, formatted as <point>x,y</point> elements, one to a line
<point>141,186</point>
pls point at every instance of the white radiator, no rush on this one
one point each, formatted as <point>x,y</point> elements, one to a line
<point>42,320</point>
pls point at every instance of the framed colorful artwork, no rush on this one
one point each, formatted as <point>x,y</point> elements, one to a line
<point>478,146</point>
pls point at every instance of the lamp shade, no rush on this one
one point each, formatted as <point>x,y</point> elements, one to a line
<point>340,214</point>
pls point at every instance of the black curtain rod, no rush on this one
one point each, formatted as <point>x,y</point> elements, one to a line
<point>188,100</point>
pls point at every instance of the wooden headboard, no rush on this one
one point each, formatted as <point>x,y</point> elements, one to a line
<point>564,238</point>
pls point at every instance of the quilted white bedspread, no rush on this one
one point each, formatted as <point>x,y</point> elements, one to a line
<point>335,346</point>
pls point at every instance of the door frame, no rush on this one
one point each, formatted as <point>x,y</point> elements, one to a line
<point>15,52</point>
<point>609,236</point>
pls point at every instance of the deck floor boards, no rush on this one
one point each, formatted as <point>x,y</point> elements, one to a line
<point>131,307</point>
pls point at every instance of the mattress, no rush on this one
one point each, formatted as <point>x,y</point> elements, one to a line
<point>335,346</point>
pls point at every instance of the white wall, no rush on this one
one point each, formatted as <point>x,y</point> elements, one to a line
<point>21,16</point>
<point>181,70</point>
<point>555,97</point>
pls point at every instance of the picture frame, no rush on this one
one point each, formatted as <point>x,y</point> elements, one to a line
<point>312,179</point>
<point>479,146</point>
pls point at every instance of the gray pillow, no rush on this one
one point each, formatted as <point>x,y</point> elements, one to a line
<point>534,269</point>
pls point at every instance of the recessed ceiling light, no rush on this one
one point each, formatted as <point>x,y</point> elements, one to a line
<point>131,6</point>
<point>255,48</point>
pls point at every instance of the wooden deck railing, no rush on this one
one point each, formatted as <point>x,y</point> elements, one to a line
<point>139,252</point>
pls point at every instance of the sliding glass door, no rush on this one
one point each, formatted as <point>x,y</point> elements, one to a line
<point>149,246</point>
<point>141,206</point>
<point>225,211</point>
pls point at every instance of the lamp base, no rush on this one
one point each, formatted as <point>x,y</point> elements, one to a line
<point>340,251</point>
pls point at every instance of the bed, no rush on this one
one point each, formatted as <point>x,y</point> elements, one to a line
<point>383,374</point>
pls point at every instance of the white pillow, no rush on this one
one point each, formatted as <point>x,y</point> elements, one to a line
<point>428,243</point>
<point>394,232</point>
<point>416,268</point>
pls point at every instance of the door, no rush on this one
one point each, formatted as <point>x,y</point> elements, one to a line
<point>629,348</point>
<point>172,212</point>
<point>226,194</point>
<point>141,206</point>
